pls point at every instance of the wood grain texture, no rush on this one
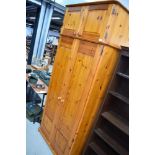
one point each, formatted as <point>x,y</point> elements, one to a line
<point>117,30</point>
<point>93,24</point>
<point>62,61</point>
<point>71,21</point>
<point>100,43</point>
<point>100,23</point>
<point>41,130</point>
<point>98,7</point>
<point>82,71</point>
<point>68,123</point>
<point>87,48</point>
<point>99,3</point>
<point>96,94</point>
<point>111,127</point>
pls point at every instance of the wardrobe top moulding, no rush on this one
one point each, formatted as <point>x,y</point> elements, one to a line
<point>103,22</point>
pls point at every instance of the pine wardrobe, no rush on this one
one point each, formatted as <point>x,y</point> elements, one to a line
<point>87,55</point>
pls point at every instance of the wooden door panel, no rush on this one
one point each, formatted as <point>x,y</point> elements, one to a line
<point>71,21</point>
<point>103,74</point>
<point>72,106</point>
<point>69,47</point>
<point>94,22</point>
<point>87,48</point>
<point>91,26</point>
<point>47,123</point>
<point>118,23</point>
<point>60,142</point>
<point>64,52</point>
<point>77,83</point>
<point>81,74</point>
<point>61,63</point>
<point>46,126</point>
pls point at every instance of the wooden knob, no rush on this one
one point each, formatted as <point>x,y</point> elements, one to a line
<point>62,100</point>
<point>59,98</point>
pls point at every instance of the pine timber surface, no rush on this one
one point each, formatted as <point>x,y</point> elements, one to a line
<point>110,131</point>
<point>102,22</point>
<point>86,58</point>
<point>99,2</point>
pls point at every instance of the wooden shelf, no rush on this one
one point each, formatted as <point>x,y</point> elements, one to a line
<point>111,142</point>
<point>123,75</point>
<point>116,121</point>
<point>97,149</point>
<point>111,130</point>
<point>119,96</point>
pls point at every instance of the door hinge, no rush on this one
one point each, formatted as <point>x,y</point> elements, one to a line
<point>114,11</point>
<point>101,50</point>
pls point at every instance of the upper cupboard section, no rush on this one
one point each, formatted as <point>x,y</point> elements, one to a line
<point>107,23</point>
<point>72,21</point>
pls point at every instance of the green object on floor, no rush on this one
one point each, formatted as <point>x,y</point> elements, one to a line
<point>33,112</point>
<point>30,118</point>
<point>33,109</point>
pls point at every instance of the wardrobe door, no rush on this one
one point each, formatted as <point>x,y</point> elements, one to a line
<point>62,61</point>
<point>117,27</point>
<point>94,22</point>
<point>87,59</point>
<point>72,21</point>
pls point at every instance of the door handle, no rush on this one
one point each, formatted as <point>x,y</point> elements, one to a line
<point>62,100</point>
<point>59,98</point>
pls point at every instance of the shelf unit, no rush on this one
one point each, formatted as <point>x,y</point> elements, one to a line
<point>110,134</point>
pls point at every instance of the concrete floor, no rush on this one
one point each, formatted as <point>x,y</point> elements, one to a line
<point>35,144</point>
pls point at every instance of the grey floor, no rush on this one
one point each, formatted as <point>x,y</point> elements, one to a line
<point>35,144</point>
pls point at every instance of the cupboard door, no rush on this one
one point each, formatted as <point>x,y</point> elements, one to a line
<point>46,126</point>
<point>117,30</point>
<point>95,22</point>
<point>71,21</point>
<point>63,58</point>
<point>87,59</point>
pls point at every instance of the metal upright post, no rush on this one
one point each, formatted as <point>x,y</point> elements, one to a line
<point>33,37</point>
<point>41,30</point>
<point>41,27</point>
<point>45,28</point>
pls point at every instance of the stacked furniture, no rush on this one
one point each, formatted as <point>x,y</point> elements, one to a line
<point>111,132</point>
<point>87,55</point>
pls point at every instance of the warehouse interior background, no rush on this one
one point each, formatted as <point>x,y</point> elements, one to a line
<point>20,29</point>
